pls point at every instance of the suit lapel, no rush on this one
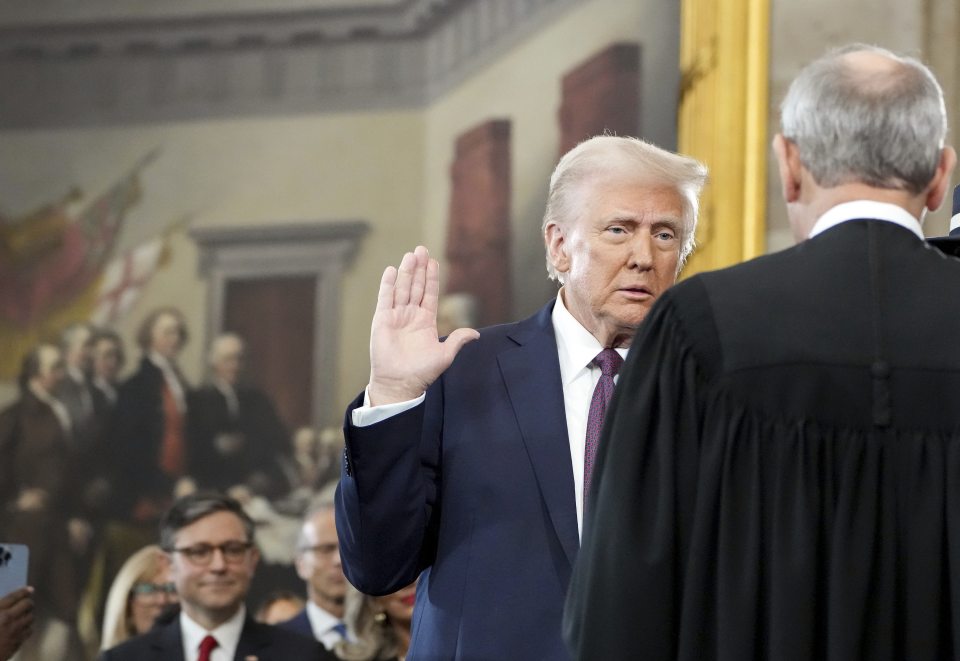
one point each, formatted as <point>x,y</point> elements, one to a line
<point>531,372</point>
<point>168,643</point>
<point>252,640</point>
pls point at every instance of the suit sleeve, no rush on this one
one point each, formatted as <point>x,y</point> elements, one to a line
<point>387,501</point>
<point>624,599</point>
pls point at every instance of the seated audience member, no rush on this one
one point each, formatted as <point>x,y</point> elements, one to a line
<point>279,607</point>
<point>380,626</point>
<point>16,621</point>
<point>140,592</point>
<point>236,437</point>
<point>209,540</point>
<point>318,563</point>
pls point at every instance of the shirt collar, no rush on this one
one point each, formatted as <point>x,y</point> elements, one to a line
<point>321,621</point>
<point>227,634</point>
<point>866,209</point>
<point>576,346</point>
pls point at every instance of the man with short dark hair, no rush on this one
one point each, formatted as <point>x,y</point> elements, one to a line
<point>210,542</point>
<point>778,473</point>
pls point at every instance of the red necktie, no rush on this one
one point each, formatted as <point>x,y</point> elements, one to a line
<point>609,362</point>
<point>207,645</point>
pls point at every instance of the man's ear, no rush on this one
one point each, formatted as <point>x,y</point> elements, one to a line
<point>555,239</point>
<point>940,185</point>
<point>789,166</point>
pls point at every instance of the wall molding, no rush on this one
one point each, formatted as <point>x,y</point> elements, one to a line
<point>320,250</point>
<point>120,70</point>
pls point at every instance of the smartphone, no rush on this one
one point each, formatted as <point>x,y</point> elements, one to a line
<point>14,560</point>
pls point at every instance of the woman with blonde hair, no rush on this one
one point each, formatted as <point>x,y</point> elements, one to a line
<point>140,592</point>
<point>379,627</point>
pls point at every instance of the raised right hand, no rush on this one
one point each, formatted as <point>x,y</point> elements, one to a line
<point>406,355</point>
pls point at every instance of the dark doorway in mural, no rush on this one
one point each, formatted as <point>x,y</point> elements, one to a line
<point>275,317</point>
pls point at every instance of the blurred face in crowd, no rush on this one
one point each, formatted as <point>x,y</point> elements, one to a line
<point>228,359</point>
<point>107,359</point>
<point>79,349</point>
<point>212,567</point>
<point>166,336</point>
<point>150,595</point>
<point>618,255</point>
<point>318,562</point>
<point>399,605</point>
<point>51,368</point>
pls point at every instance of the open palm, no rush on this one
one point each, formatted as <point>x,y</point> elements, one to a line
<point>406,355</point>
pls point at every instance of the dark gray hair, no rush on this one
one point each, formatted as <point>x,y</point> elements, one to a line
<point>608,156</point>
<point>883,128</point>
<point>196,506</point>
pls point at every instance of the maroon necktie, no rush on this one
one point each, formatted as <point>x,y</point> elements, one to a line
<point>207,645</point>
<point>609,362</point>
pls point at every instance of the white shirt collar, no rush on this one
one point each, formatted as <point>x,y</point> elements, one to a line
<point>576,346</point>
<point>321,623</point>
<point>76,375</point>
<point>868,209</point>
<point>227,635</point>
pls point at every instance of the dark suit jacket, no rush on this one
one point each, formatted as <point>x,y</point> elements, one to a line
<point>36,454</point>
<point>134,440</point>
<point>267,643</point>
<point>778,471</point>
<point>475,488</point>
<point>300,623</point>
<point>263,441</point>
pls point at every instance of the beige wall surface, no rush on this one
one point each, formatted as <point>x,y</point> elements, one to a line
<point>523,85</point>
<point>802,31</point>
<point>240,173</point>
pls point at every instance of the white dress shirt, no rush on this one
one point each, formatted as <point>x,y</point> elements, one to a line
<point>171,379</point>
<point>576,349</point>
<point>870,209</point>
<point>227,635</point>
<point>322,623</point>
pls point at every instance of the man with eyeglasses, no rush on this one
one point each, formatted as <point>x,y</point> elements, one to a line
<point>209,539</point>
<point>318,563</point>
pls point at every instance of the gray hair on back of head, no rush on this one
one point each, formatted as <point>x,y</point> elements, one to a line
<point>884,129</point>
<point>611,157</point>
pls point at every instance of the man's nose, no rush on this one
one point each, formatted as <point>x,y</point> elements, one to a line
<point>641,251</point>
<point>218,562</point>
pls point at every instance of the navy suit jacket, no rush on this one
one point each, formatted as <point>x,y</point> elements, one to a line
<point>299,623</point>
<point>267,643</point>
<point>475,488</point>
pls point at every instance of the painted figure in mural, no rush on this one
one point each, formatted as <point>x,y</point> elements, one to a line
<point>466,460</point>
<point>235,437</point>
<point>148,440</point>
<point>784,426</point>
<point>39,494</point>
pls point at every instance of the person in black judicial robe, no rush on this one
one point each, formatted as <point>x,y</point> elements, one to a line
<point>779,474</point>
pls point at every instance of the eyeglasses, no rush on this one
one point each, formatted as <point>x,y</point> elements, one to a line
<point>154,588</point>
<point>202,554</point>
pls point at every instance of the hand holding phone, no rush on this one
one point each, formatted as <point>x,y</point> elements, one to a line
<point>14,560</point>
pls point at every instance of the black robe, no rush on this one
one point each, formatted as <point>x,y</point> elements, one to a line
<point>779,475</point>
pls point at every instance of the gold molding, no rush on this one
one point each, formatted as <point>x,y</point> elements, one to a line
<point>722,120</point>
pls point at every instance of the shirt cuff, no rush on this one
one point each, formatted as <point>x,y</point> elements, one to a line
<point>366,415</point>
